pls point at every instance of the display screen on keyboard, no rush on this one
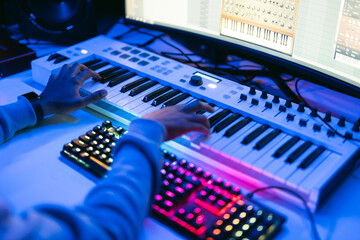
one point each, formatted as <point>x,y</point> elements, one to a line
<point>191,200</point>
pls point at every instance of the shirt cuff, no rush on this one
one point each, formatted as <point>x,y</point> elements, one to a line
<point>21,114</point>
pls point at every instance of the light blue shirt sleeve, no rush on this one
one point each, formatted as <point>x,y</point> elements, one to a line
<point>14,117</point>
<point>114,209</point>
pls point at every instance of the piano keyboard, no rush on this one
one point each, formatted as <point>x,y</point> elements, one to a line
<point>257,35</point>
<point>350,60</point>
<point>258,137</point>
<point>266,23</point>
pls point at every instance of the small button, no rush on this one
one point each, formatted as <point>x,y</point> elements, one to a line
<point>314,111</point>
<point>317,127</point>
<point>276,99</point>
<point>303,122</point>
<point>331,133</point>
<point>255,101</point>
<point>356,127</point>
<point>154,58</point>
<point>288,103</point>
<point>127,48</point>
<point>264,94</point>
<point>301,107</point>
<point>144,55</point>
<point>348,135</point>
<point>282,108</point>
<point>134,59</point>
<point>182,80</point>
<point>202,88</point>
<point>341,122</point>
<point>327,117</point>
<point>252,91</point>
<point>268,105</point>
<point>125,56</point>
<point>290,117</point>
<point>143,63</point>
<point>243,97</point>
<point>135,51</point>
<point>116,52</point>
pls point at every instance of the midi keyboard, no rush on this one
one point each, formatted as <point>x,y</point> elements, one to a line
<point>258,139</point>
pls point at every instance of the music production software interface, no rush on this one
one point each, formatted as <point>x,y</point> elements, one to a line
<point>322,35</point>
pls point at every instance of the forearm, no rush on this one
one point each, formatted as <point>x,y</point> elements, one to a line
<point>115,208</point>
<point>14,117</point>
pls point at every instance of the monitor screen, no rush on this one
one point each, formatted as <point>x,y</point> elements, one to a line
<point>320,36</point>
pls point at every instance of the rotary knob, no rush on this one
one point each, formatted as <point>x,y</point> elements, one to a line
<point>196,80</point>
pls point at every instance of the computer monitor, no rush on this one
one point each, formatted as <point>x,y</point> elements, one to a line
<point>315,40</point>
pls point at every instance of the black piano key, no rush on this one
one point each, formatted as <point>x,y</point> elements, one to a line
<point>226,122</point>
<point>134,84</point>
<point>202,112</point>
<point>231,131</point>
<point>108,71</point>
<point>212,104</point>
<point>98,66</point>
<point>156,93</point>
<point>218,117</point>
<point>268,138</point>
<point>60,59</point>
<point>165,97</point>
<point>91,62</point>
<point>254,134</point>
<point>285,147</point>
<point>176,100</point>
<point>121,79</point>
<point>113,75</point>
<point>297,153</point>
<point>311,158</point>
<point>142,88</point>
<point>53,56</point>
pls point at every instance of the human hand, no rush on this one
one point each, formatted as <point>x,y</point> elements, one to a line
<point>181,119</point>
<point>61,94</point>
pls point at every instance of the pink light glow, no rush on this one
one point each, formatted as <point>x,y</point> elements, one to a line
<point>158,197</point>
<point>179,189</point>
<point>170,194</point>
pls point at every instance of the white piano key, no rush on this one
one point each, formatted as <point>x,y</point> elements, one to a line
<point>142,107</point>
<point>296,178</point>
<point>290,168</point>
<point>214,137</point>
<point>135,101</point>
<point>267,158</point>
<point>212,141</point>
<point>149,110</point>
<point>225,141</point>
<point>246,149</point>
<point>209,114</point>
<point>233,144</point>
<point>254,155</point>
<point>278,163</point>
<point>322,173</point>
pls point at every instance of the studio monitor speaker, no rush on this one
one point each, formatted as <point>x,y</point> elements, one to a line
<point>65,21</point>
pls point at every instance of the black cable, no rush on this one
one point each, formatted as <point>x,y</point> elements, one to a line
<point>151,40</point>
<point>322,119</point>
<point>310,215</point>
<point>167,43</point>
<point>187,55</point>
<point>124,34</point>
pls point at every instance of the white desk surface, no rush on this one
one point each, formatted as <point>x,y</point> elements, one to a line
<point>32,172</point>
